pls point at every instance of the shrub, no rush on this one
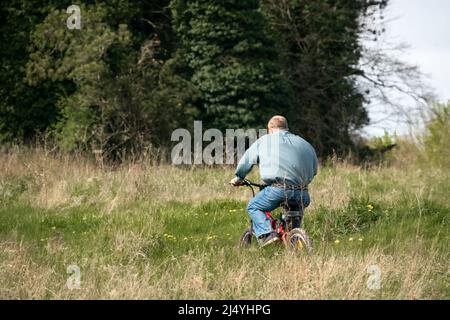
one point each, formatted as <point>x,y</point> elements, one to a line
<point>437,137</point>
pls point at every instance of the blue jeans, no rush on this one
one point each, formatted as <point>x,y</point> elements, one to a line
<point>269,199</point>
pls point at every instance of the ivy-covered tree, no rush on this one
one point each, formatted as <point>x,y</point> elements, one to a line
<point>228,56</point>
<point>321,53</point>
<point>139,69</point>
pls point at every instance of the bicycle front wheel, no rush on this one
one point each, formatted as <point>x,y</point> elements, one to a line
<point>246,238</point>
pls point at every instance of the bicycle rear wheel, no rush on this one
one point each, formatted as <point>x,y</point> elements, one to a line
<point>298,240</point>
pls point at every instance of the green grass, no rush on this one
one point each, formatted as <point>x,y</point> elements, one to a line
<point>132,238</point>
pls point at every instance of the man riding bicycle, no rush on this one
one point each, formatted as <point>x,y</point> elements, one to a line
<point>287,164</point>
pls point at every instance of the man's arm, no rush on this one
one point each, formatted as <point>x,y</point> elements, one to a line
<point>248,160</point>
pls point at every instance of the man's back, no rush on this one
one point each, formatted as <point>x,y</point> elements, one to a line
<point>282,157</point>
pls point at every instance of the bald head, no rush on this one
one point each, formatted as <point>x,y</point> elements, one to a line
<point>277,123</point>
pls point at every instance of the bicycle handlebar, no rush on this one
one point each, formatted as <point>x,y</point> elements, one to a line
<point>250,183</point>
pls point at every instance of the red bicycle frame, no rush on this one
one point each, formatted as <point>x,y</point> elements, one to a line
<point>278,228</point>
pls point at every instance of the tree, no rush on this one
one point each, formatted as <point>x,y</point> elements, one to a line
<point>227,55</point>
<point>321,54</point>
<point>121,104</point>
<point>24,110</point>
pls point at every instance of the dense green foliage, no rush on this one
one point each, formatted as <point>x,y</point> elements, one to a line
<point>119,103</point>
<point>231,60</point>
<point>23,109</point>
<point>139,69</point>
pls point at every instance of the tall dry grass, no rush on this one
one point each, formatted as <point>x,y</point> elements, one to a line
<point>118,259</point>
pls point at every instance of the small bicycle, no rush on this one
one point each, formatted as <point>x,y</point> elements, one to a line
<point>287,225</point>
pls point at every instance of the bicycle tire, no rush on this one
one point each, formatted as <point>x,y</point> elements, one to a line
<point>298,240</point>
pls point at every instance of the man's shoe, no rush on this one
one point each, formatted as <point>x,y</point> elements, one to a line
<point>268,238</point>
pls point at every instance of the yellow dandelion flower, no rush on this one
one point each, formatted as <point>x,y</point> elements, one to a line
<point>337,241</point>
<point>350,239</point>
<point>369,207</point>
<point>360,239</point>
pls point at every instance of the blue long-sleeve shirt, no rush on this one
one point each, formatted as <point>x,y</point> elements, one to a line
<point>282,157</point>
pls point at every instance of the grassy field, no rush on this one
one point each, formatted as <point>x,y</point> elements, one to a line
<point>146,231</point>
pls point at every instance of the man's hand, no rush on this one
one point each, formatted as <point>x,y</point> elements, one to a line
<point>236,182</point>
